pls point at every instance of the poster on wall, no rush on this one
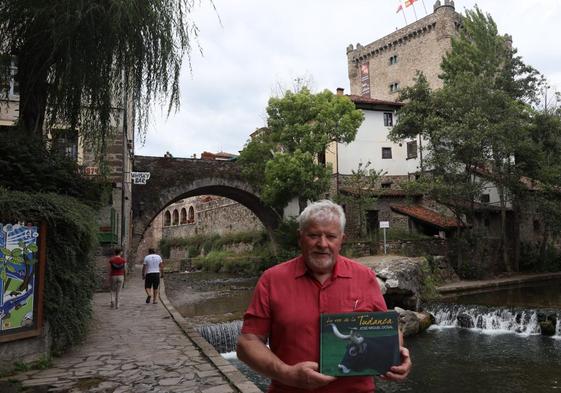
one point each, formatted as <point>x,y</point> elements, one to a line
<point>364,80</point>
<point>21,280</point>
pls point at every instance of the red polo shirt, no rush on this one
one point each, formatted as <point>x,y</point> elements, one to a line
<point>286,305</point>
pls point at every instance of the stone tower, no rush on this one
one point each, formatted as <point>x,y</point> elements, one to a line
<point>383,67</point>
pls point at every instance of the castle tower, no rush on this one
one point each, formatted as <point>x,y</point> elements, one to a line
<point>383,67</point>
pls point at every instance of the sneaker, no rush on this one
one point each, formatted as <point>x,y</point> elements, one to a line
<point>148,299</point>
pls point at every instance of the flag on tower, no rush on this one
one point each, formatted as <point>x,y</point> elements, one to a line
<point>409,2</point>
<point>400,8</point>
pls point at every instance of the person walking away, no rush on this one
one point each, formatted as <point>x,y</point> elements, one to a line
<point>117,269</point>
<point>152,271</point>
<point>289,298</point>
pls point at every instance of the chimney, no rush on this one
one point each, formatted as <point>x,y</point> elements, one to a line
<point>340,91</point>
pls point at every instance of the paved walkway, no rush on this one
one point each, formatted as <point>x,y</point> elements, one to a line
<point>139,348</point>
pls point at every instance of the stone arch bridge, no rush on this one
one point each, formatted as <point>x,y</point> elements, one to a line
<point>173,179</point>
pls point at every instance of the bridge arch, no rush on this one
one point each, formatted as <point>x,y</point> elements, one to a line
<point>173,179</point>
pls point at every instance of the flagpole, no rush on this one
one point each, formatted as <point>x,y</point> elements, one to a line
<point>423,1</point>
<point>403,12</point>
<point>414,11</point>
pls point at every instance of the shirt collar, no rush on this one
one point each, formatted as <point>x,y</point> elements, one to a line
<point>341,269</point>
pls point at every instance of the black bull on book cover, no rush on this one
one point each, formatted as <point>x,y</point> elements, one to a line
<point>359,343</point>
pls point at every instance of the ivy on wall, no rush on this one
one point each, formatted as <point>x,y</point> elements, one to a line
<point>71,242</point>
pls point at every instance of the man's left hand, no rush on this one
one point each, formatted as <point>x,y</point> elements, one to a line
<point>399,373</point>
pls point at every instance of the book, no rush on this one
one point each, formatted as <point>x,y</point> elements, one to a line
<point>362,343</point>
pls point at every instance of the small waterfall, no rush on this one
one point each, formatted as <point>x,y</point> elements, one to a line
<point>558,327</point>
<point>222,336</point>
<point>524,322</point>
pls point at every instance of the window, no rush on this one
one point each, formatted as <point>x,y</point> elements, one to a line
<point>167,218</point>
<point>388,119</point>
<point>66,143</point>
<point>386,152</point>
<point>183,216</point>
<point>412,149</point>
<point>485,198</point>
<point>175,217</point>
<point>191,215</point>
<point>9,87</point>
<point>387,185</point>
<point>394,87</point>
<point>393,59</point>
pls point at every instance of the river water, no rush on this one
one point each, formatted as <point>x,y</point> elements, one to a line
<point>504,354</point>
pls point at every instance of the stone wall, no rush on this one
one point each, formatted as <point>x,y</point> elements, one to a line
<point>151,239</point>
<point>216,216</point>
<point>26,350</point>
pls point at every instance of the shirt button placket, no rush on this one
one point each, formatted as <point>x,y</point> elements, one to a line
<point>322,301</point>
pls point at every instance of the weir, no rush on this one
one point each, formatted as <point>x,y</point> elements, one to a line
<point>519,321</point>
<point>222,336</point>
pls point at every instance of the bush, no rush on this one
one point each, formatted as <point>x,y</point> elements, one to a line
<point>534,259</point>
<point>429,280</point>
<point>69,276</point>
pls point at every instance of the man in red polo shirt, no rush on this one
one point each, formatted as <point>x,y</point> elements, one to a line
<point>289,299</point>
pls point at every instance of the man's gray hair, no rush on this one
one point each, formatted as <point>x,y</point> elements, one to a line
<point>322,211</point>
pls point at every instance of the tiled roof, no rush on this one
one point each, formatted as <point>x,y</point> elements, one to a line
<point>382,192</point>
<point>427,216</point>
<point>359,100</point>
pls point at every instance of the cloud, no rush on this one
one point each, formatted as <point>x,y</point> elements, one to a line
<point>260,45</point>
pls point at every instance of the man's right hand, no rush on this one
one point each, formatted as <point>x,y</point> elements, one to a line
<point>304,375</point>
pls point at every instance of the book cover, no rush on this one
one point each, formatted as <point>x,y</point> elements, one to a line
<point>363,343</point>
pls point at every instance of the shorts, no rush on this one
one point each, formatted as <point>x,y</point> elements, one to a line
<point>152,280</point>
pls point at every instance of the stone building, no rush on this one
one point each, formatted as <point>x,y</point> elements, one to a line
<point>207,215</point>
<point>381,68</point>
<point>377,73</point>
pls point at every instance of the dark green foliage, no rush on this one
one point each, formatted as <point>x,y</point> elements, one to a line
<point>80,58</point>
<point>539,258</point>
<point>198,244</point>
<point>26,165</point>
<point>71,241</point>
<point>282,159</point>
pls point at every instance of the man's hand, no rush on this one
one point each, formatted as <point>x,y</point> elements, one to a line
<point>399,373</point>
<point>253,351</point>
<point>305,376</point>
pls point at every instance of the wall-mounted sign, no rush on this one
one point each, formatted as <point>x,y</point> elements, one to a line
<point>140,177</point>
<point>364,80</point>
<point>22,261</point>
<point>90,171</point>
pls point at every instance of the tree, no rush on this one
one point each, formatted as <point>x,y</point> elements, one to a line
<point>360,186</point>
<point>78,60</point>
<point>284,159</point>
<point>478,120</point>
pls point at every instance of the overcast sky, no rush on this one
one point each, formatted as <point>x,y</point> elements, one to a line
<point>251,47</point>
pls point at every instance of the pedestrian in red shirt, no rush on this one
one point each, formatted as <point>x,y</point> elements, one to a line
<point>289,298</point>
<point>117,268</point>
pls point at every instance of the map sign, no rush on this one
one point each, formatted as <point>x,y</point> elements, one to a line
<point>19,262</point>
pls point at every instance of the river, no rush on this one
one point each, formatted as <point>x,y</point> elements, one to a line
<point>504,356</point>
